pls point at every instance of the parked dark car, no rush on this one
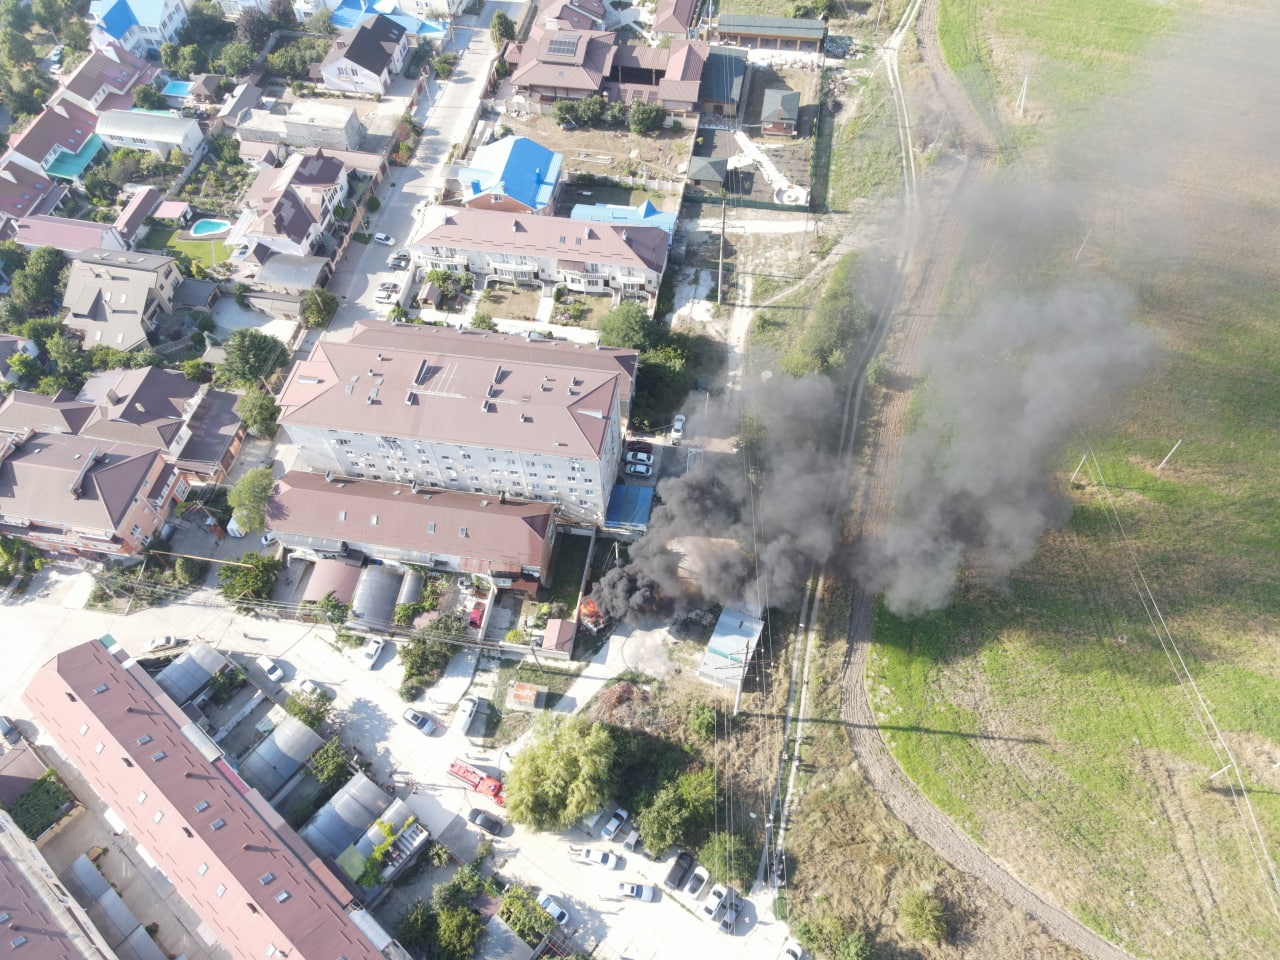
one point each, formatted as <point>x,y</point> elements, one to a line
<point>679,870</point>
<point>486,822</point>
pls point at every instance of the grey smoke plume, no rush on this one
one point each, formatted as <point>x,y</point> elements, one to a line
<point>740,530</point>
<point>1002,395</point>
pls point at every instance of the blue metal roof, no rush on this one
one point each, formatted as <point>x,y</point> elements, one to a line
<point>116,17</point>
<point>629,508</point>
<point>645,215</point>
<point>518,167</point>
<point>351,13</point>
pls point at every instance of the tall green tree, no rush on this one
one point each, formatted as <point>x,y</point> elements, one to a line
<point>16,16</point>
<point>192,60</point>
<point>251,355</point>
<point>629,325</point>
<point>39,284</point>
<point>15,49</point>
<point>457,934</point>
<point>417,927</point>
<point>253,28</point>
<point>75,34</point>
<point>236,58</point>
<point>50,14</point>
<point>248,499</point>
<point>319,306</point>
<point>501,29</point>
<point>312,707</point>
<point>252,577</point>
<point>259,411</point>
<point>147,97</point>
<point>646,117</point>
<point>565,774</point>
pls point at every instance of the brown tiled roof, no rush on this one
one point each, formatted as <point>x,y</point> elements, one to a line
<point>113,67</point>
<point>62,123</point>
<point>63,233</point>
<point>69,481</point>
<point>286,201</point>
<point>684,70</point>
<point>251,879</point>
<point>135,212</point>
<point>578,14</point>
<point>61,413</point>
<point>565,59</point>
<point>501,536</point>
<point>143,406</point>
<point>479,229</point>
<point>448,386</point>
<point>22,190</point>
<point>674,16</point>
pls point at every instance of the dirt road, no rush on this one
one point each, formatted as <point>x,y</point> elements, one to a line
<point>930,258</point>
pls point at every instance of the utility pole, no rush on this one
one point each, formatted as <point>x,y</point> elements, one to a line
<point>720,275</point>
<point>1022,97</point>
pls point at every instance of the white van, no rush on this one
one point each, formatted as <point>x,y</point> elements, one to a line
<point>467,708</point>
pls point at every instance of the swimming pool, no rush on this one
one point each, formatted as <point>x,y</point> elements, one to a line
<point>209,228</point>
<point>177,88</point>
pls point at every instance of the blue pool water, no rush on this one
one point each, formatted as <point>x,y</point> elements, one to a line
<point>176,88</point>
<point>209,228</point>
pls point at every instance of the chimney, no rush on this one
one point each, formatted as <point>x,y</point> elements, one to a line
<point>112,396</point>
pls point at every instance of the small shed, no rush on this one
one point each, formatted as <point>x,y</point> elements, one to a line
<point>526,697</point>
<point>780,112</point>
<point>729,651</point>
<point>708,172</point>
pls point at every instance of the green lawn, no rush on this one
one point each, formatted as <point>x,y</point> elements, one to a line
<point>205,252</point>
<point>865,150</point>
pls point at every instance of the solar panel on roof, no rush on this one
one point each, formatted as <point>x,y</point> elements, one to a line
<point>565,46</point>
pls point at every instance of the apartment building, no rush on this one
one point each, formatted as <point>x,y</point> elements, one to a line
<point>259,889</point>
<point>589,257</point>
<point>477,413</point>
<point>141,27</point>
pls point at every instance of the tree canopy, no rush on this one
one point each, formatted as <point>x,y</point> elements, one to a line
<point>501,28</point>
<point>248,499</point>
<point>251,354</point>
<point>646,117</point>
<point>319,306</point>
<point>253,577</point>
<point>259,411</point>
<point>563,775</point>
<point>629,325</point>
<point>313,707</point>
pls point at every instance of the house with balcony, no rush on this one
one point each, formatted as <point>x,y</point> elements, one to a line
<point>141,27</point>
<point>514,174</point>
<point>60,142</point>
<point>505,539</point>
<point>72,494</point>
<point>157,132</point>
<point>114,297</point>
<point>106,79</point>
<point>584,256</point>
<point>289,208</point>
<point>489,414</point>
<point>366,57</point>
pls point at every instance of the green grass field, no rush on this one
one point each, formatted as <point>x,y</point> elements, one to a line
<point>866,152</point>
<point>1071,52</point>
<point>1045,717</point>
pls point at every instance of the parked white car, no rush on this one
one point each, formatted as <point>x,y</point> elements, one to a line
<point>370,652</point>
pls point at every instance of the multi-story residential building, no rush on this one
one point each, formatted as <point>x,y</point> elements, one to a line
<point>305,124</point>
<point>159,133</point>
<point>257,887</point>
<point>366,57</point>
<point>140,26</point>
<point>507,540</point>
<point>43,922</point>
<point>73,494</point>
<point>591,257</point>
<point>60,142</point>
<point>114,297</point>
<point>477,413</point>
<point>106,80</point>
<point>289,208</point>
<point>193,425</point>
